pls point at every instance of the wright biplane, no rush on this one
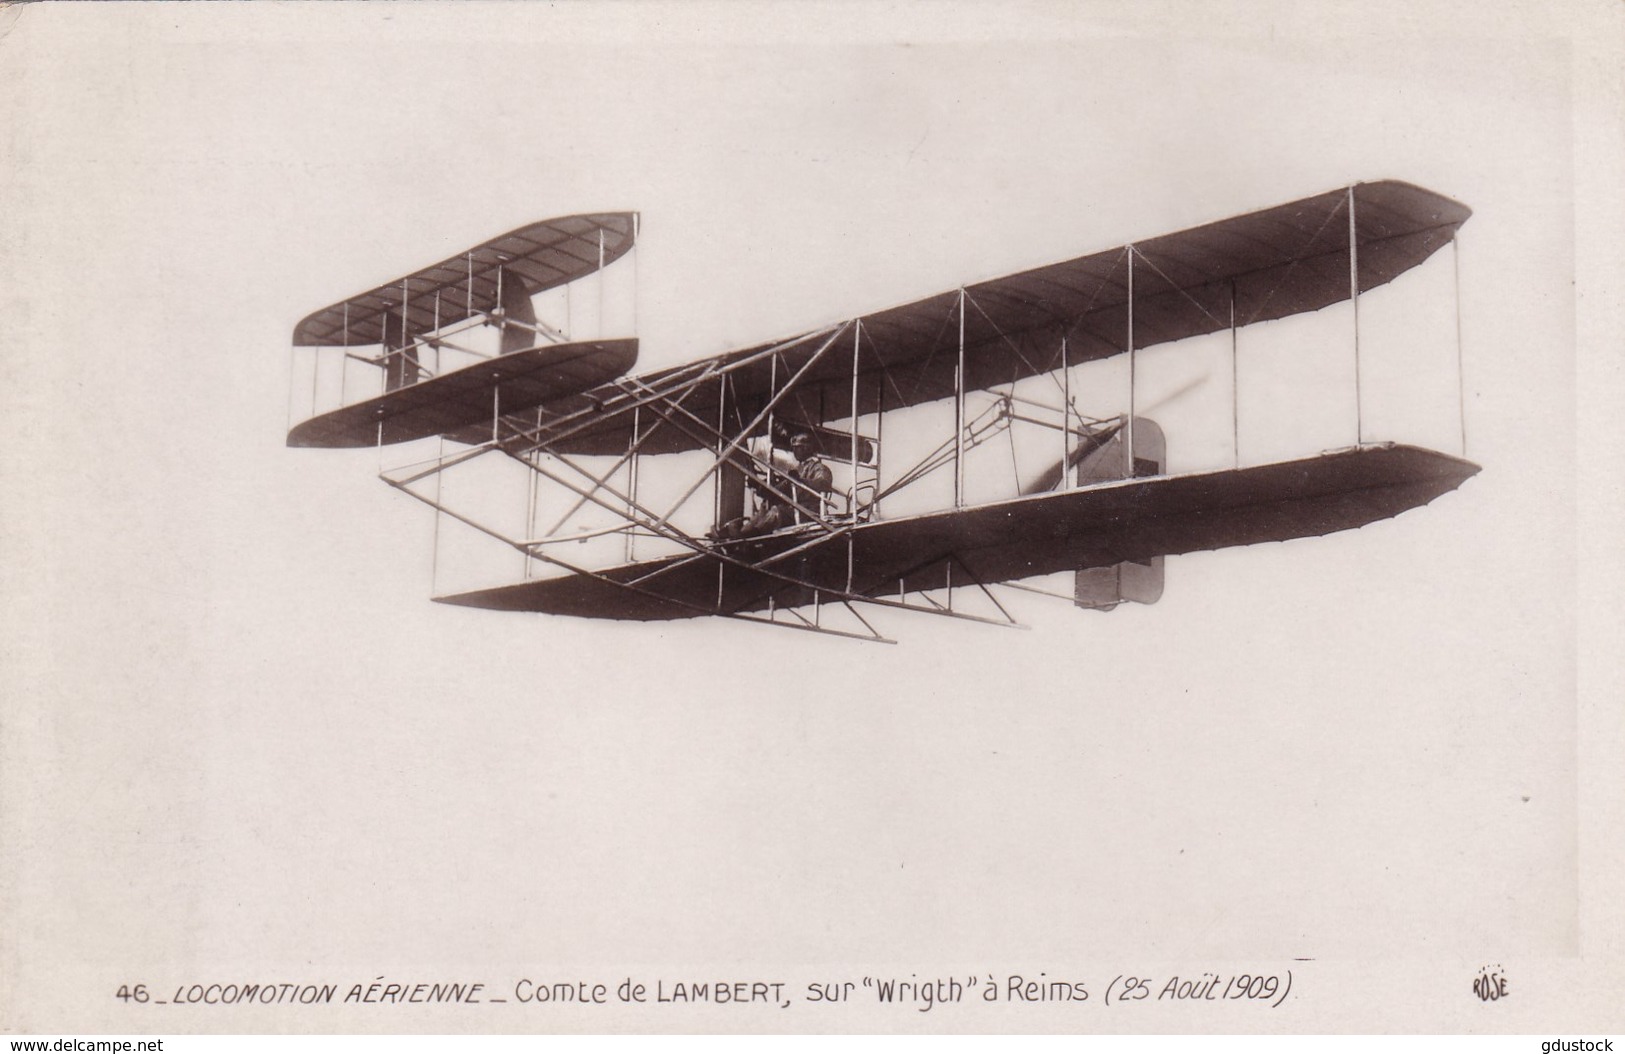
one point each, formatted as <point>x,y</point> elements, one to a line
<point>653,487</point>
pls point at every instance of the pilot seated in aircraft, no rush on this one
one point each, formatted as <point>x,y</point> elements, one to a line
<point>807,481</point>
<point>810,480</point>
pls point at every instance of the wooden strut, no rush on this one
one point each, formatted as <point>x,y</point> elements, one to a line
<point>472,318</point>
<point>811,543</point>
<point>1128,435</point>
<point>978,432</point>
<point>1136,253</point>
<point>948,560</point>
<point>716,505</point>
<point>632,401</point>
<point>1074,433</point>
<point>1063,383</point>
<point>646,519</point>
<point>424,372</point>
<point>880,427</point>
<point>959,411</point>
<point>293,377</point>
<point>815,625</point>
<point>1461,376</point>
<point>694,373</point>
<point>638,588</point>
<point>566,565</point>
<point>530,514</point>
<point>704,439</point>
<point>700,550</point>
<point>665,398</point>
<point>816,622</point>
<point>704,433</point>
<point>434,553</point>
<point>316,374</point>
<point>1082,418</point>
<point>632,474</point>
<point>697,608</point>
<point>1066,419</point>
<point>1235,382</point>
<point>1015,347</point>
<point>647,398</point>
<point>344,361</point>
<point>1354,298</point>
<point>527,437</point>
<point>666,402</point>
<point>537,328</point>
<point>435,339</point>
<point>738,440</point>
<point>1034,589</point>
<point>772,391</point>
<point>852,493</point>
<point>406,310</point>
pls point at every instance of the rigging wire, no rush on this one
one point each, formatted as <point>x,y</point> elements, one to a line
<point>1088,306</point>
<point>1013,345</point>
<point>936,345</point>
<point>1336,209</point>
<point>1180,289</point>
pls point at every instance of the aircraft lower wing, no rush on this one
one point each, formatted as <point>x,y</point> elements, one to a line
<point>521,380</point>
<point>1095,526</point>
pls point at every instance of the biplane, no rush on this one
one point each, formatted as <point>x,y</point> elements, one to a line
<point>653,485</point>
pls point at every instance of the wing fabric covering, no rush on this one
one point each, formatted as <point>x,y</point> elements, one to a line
<point>1098,526</point>
<point>448,403</point>
<point>1268,264</point>
<point>542,255</point>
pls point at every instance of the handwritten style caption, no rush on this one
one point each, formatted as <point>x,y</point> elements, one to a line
<point>912,992</point>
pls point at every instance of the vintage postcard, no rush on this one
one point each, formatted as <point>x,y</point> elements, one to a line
<point>962,518</point>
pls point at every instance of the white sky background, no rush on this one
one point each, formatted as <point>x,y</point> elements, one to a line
<point>239,738</point>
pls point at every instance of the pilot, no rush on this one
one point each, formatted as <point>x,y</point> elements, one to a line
<point>807,481</point>
<point>811,479</point>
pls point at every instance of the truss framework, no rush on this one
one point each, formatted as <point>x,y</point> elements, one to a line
<point>535,441</point>
<point>538,442</point>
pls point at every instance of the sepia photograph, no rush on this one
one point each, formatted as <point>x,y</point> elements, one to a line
<point>654,518</point>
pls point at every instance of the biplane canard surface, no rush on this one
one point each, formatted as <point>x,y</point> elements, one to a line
<point>801,427</point>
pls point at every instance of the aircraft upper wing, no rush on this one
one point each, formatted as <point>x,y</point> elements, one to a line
<point>544,255</point>
<point>1273,263</point>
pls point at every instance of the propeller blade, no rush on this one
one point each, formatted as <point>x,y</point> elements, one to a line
<point>1050,478</point>
<point>1177,393</point>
